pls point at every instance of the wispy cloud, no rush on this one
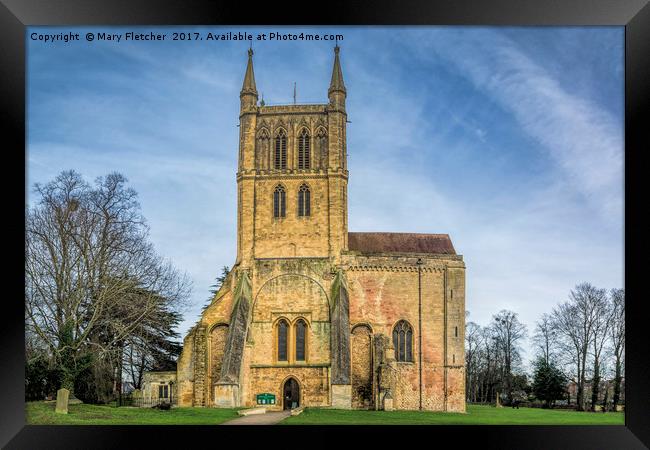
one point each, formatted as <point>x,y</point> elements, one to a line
<point>585,140</point>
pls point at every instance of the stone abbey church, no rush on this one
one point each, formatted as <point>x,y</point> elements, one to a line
<point>311,313</point>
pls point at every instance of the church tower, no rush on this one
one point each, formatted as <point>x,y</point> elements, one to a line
<point>292,175</point>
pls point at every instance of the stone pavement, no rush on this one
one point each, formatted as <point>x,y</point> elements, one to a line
<point>269,418</point>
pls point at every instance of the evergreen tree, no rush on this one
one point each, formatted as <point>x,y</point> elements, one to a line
<point>218,282</point>
<point>549,383</point>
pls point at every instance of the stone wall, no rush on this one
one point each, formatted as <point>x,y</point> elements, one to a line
<point>384,289</point>
<point>217,344</point>
<point>201,384</point>
<point>185,371</point>
<point>313,381</point>
<point>292,235</point>
<point>361,366</point>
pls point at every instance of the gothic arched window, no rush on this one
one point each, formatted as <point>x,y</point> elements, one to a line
<point>301,343</point>
<point>303,149</point>
<point>280,150</point>
<point>304,201</point>
<point>403,341</point>
<point>283,331</point>
<point>279,202</point>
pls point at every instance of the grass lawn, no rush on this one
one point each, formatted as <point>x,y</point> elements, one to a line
<point>476,415</point>
<point>42,413</point>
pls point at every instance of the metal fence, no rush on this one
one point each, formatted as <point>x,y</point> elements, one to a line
<point>146,402</point>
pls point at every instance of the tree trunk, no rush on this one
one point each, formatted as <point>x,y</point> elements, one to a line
<point>580,400</point>
<point>595,386</point>
<point>617,384</point>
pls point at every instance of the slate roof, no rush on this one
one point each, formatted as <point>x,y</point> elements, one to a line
<point>401,243</point>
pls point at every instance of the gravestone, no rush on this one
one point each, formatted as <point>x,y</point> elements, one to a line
<point>388,401</point>
<point>62,401</point>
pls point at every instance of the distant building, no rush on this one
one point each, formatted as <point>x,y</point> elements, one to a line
<point>572,390</point>
<point>158,386</point>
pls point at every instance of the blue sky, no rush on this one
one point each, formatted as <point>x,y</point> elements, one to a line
<point>508,139</point>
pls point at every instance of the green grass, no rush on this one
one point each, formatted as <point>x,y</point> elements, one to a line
<point>476,415</point>
<point>42,413</point>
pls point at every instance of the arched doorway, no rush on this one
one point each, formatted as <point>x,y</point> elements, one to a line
<point>291,394</point>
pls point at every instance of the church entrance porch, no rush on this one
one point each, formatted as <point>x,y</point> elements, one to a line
<point>291,394</point>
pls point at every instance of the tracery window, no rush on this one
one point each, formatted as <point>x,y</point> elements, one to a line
<point>279,202</point>
<point>280,150</point>
<point>304,201</point>
<point>303,149</point>
<point>301,331</point>
<point>283,330</point>
<point>403,341</point>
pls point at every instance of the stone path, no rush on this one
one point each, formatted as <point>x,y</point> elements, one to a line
<point>269,418</point>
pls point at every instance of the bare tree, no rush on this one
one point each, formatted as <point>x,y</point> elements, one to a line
<point>617,340</point>
<point>574,321</point>
<point>508,332</point>
<point>600,334</point>
<point>473,340</point>
<point>91,275</point>
<point>545,338</point>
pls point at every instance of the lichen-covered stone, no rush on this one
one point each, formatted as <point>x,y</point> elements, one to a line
<point>234,348</point>
<point>340,331</point>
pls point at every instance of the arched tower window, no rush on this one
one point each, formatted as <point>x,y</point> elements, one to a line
<point>279,202</point>
<point>283,331</point>
<point>301,342</point>
<point>280,150</point>
<point>403,341</point>
<point>304,201</point>
<point>303,149</point>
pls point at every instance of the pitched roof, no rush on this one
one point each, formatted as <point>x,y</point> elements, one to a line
<point>401,243</point>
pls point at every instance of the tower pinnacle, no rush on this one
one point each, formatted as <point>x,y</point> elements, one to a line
<point>336,84</point>
<point>249,79</point>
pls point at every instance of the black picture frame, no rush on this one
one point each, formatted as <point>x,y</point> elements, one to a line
<point>634,15</point>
